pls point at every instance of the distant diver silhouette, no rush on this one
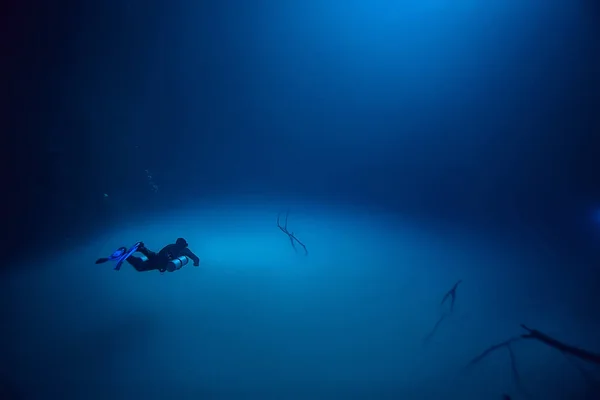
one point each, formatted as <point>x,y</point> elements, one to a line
<point>171,258</point>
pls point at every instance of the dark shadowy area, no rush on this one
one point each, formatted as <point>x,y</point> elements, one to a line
<point>58,155</point>
<point>10,391</point>
<point>76,75</point>
<point>87,118</point>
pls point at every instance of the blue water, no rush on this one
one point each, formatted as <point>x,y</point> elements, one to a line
<point>414,143</point>
<point>257,320</point>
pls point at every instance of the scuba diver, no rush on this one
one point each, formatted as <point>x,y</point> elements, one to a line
<point>171,258</point>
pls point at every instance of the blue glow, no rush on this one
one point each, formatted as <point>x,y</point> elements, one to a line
<point>596,216</point>
<point>273,321</point>
<point>383,80</point>
<point>416,143</point>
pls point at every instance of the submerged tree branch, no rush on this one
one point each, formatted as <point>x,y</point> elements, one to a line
<point>582,354</point>
<point>451,294</point>
<point>293,239</point>
<point>566,349</point>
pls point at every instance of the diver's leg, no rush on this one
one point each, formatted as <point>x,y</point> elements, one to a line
<point>138,263</point>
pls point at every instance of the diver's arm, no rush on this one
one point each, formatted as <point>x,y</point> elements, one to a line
<point>188,253</point>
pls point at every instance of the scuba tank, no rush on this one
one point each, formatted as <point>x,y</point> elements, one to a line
<point>177,263</point>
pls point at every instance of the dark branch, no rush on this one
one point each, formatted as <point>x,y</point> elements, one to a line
<point>565,348</point>
<point>513,361</point>
<point>452,294</point>
<point>515,371</point>
<point>435,328</point>
<point>548,340</point>
<point>491,349</point>
<point>293,239</point>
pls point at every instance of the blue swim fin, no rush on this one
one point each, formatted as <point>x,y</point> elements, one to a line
<point>120,255</point>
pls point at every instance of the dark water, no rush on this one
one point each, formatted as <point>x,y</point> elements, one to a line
<point>414,144</point>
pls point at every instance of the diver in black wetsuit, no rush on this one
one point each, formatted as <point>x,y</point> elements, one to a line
<point>171,258</point>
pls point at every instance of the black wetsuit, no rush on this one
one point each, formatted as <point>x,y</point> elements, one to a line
<point>160,260</point>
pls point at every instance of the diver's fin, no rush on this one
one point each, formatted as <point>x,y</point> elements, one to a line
<point>126,254</point>
<point>101,260</point>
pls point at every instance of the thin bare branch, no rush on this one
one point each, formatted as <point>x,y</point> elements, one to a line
<point>490,350</point>
<point>451,294</point>
<point>293,239</point>
<point>582,354</point>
